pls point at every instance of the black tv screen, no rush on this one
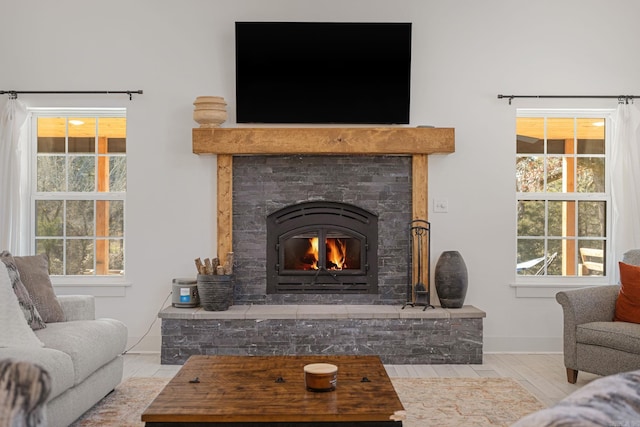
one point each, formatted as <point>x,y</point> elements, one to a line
<point>321,72</point>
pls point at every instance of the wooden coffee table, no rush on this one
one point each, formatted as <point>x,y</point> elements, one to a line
<point>270,391</point>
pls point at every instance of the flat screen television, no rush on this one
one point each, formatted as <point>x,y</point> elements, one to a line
<point>323,72</point>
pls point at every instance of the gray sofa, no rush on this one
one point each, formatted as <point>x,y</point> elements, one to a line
<point>82,355</point>
<point>593,342</point>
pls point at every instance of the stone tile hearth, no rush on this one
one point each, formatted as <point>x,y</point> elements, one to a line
<point>397,335</point>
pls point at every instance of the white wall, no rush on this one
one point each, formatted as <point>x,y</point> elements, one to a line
<point>465,52</point>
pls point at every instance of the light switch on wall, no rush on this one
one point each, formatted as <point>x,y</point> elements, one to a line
<point>440,205</point>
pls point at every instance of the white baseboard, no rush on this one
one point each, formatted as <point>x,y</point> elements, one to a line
<point>522,344</point>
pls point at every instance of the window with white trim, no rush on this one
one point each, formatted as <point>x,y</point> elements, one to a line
<point>78,189</point>
<point>563,197</point>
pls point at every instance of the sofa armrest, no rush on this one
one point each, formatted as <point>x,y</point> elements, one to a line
<point>594,304</point>
<point>78,307</point>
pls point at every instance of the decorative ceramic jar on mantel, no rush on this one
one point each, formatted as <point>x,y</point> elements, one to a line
<point>210,111</point>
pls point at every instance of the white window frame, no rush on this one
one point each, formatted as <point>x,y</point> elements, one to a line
<point>548,286</point>
<point>92,285</point>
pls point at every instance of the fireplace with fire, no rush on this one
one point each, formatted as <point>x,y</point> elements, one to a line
<point>322,247</point>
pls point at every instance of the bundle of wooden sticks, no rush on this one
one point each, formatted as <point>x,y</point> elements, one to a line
<point>213,266</point>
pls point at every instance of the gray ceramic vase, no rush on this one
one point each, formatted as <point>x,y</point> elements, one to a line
<point>451,279</point>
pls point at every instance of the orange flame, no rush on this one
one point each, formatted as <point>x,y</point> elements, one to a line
<point>336,250</point>
<point>313,252</point>
<point>336,254</point>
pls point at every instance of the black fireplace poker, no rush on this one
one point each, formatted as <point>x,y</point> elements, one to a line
<point>420,233</point>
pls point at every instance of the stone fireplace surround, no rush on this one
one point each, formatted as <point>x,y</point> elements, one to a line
<point>261,325</point>
<point>264,184</point>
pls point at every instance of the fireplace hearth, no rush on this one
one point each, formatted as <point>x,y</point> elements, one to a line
<point>379,170</point>
<point>322,247</point>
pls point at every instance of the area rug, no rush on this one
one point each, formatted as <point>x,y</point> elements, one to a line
<point>442,402</point>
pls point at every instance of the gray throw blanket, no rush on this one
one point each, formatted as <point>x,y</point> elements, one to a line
<point>611,401</point>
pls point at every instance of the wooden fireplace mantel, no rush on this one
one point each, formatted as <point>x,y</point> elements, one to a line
<point>323,141</point>
<point>407,141</point>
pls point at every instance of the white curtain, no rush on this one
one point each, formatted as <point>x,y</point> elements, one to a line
<point>13,117</point>
<point>624,173</point>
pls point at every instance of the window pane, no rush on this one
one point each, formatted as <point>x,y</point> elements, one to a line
<point>592,219</point>
<point>51,145</point>
<point>83,131</point>
<point>116,256</point>
<point>590,174</point>
<point>561,218</point>
<point>591,146</point>
<point>562,128</point>
<point>112,127</point>
<point>530,218</point>
<point>554,175</point>
<point>53,249</point>
<point>592,256</point>
<point>529,174</point>
<point>555,257</point>
<point>52,131</point>
<point>530,135</point>
<point>530,256</point>
<point>49,214</point>
<point>556,146</point>
<point>82,145</point>
<point>591,133</point>
<point>51,174</point>
<point>109,218</point>
<point>82,173</point>
<point>117,174</point>
<point>79,257</point>
<point>116,218</point>
<point>117,145</point>
<point>80,218</point>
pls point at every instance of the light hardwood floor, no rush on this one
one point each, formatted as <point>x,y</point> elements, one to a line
<point>543,375</point>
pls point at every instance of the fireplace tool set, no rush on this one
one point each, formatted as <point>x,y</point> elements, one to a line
<point>420,232</point>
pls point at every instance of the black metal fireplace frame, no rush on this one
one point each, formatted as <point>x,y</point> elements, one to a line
<point>321,217</point>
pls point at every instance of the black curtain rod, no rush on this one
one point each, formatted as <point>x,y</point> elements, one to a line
<point>620,98</point>
<point>14,93</point>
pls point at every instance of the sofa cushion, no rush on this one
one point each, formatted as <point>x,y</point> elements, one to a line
<point>621,336</point>
<point>628,302</point>
<point>34,272</point>
<point>14,329</point>
<point>56,363</point>
<point>90,343</point>
<point>26,303</point>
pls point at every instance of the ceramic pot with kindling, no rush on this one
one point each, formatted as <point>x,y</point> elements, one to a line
<point>451,279</point>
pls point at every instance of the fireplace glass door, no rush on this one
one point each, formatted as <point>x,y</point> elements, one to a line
<point>341,251</point>
<point>319,247</point>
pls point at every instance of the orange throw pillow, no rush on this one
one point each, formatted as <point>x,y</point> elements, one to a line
<point>628,302</point>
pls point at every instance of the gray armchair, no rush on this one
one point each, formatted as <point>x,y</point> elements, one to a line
<point>593,342</point>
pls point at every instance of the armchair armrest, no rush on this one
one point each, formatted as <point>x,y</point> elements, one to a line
<point>78,307</point>
<point>595,304</point>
